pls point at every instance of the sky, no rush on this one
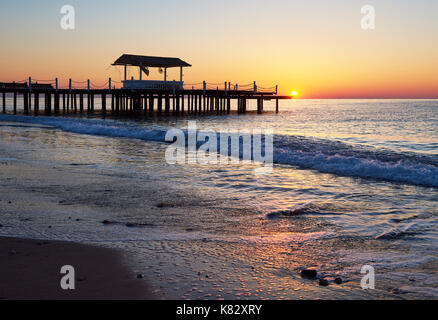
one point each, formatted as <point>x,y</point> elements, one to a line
<point>315,47</point>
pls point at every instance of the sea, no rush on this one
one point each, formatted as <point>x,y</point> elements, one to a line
<point>354,184</point>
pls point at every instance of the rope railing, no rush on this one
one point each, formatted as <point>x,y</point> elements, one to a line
<point>71,84</point>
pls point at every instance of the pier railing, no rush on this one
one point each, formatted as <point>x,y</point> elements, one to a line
<point>189,98</point>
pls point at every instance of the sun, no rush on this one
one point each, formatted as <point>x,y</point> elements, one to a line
<point>294,93</point>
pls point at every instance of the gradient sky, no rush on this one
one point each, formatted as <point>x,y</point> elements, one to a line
<point>316,47</point>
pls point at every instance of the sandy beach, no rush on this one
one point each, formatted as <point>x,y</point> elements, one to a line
<point>30,270</point>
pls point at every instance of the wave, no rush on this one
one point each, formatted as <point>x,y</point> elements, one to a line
<point>321,155</point>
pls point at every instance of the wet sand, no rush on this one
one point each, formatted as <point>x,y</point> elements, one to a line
<point>186,244</point>
<point>30,270</point>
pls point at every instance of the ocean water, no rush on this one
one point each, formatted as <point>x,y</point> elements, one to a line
<point>355,182</point>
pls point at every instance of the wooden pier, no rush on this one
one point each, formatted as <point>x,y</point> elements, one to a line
<point>140,102</point>
<point>136,97</point>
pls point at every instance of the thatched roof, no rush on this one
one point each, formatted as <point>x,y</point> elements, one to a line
<point>154,62</point>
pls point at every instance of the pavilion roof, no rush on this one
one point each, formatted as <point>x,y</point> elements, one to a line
<point>149,61</point>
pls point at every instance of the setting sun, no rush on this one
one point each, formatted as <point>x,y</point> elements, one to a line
<point>294,93</point>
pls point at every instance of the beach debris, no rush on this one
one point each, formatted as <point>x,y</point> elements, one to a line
<point>323,282</point>
<point>309,273</point>
<point>338,280</point>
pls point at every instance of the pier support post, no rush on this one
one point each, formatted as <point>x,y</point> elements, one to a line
<point>50,104</point>
<point>56,103</point>
<point>103,103</point>
<point>276,105</point>
<point>36,102</point>
<point>167,104</point>
<point>160,104</point>
<point>48,101</point>
<point>228,105</point>
<point>117,97</point>
<point>81,103</point>
<point>26,102</point>
<point>200,103</point>
<point>75,103</point>
<point>15,102</point>
<point>177,104</point>
<point>4,102</point>
<point>151,104</point>
<point>63,102</point>
<point>112,103</point>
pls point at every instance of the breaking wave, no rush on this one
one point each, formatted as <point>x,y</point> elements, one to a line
<point>320,155</point>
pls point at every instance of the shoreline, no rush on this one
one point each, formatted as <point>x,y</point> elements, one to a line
<point>31,271</point>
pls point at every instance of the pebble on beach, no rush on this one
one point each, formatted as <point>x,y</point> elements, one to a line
<point>323,282</point>
<point>338,281</point>
<point>309,273</point>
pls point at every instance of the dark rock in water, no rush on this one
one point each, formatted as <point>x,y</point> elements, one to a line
<point>140,276</point>
<point>107,222</point>
<point>309,273</point>
<point>1,226</point>
<point>338,281</point>
<point>50,227</point>
<point>396,291</point>
<point>323,282</point>
<point>138,225</point>
<point>297,211</point>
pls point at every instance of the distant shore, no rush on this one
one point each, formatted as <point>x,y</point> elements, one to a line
<point>30,270</point>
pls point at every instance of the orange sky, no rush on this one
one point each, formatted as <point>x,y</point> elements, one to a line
<point>315,48</point>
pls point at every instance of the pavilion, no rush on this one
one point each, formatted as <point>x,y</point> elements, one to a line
<point>146,62</point>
